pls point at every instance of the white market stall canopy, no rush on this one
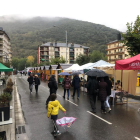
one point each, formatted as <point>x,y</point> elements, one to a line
<point>74,67</point>
<point>87,66</point>
<point>102,64</point>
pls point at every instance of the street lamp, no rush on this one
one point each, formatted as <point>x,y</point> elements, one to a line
<point>66,41</point>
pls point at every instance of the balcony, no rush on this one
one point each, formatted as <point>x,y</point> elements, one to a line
<point>71,50</point>
<point>71,61</point>
<point>71,54</point>
<point>115,59</point>
<point>113,48</point>
<point>115,53</point>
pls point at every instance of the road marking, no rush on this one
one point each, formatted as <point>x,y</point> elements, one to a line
<point>59,95</point>
<point>99,117</point>
<point>137,138</point>
<point>71,102</point>
<point>68,100</point>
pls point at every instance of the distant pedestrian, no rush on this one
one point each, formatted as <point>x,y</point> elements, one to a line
<point>37,74</point>
<point>76,84</point>
<point>21,73</point>
<point>102,94</point>
<point>67,83</point>
<point>30,80</point>
<point>53,110</point>
<point>52,86</point>
<point>109,86</point>
<point>37,83</point>
<point>92,86</point>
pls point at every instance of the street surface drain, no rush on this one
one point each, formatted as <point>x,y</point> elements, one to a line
<point>20,130</point>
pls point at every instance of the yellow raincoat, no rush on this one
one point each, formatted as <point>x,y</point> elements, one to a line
<point>53,108</point>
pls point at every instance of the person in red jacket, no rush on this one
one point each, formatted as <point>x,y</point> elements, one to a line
<point>67,83</point>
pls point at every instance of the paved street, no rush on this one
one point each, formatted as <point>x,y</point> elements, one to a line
<point>121,124</point>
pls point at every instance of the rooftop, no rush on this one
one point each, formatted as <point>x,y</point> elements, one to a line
<point>1,29</point>
<point>63,45</point>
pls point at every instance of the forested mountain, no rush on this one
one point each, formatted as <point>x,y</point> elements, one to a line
<point>27,34</point>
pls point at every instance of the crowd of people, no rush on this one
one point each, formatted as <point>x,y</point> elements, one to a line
<point>96,87</point>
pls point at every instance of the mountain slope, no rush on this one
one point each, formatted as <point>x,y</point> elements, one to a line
<point>27,34</point>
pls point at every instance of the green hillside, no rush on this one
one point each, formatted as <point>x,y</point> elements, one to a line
<point>27,34</point>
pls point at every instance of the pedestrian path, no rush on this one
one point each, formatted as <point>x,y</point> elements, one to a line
<point>120,124</point>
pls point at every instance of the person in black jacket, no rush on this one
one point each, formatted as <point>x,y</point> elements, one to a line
<point>52,86</point>
<point>92,86</point>
<point>30,80</point>
<point>37,83</point>
<point>109,86</point>
<point>76,84</point>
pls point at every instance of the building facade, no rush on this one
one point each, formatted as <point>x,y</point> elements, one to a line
<point>56,50</point>
<point>116,51</point>
<point>5,47</point>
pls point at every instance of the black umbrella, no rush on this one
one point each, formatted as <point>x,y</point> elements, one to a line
<point>76,73</point>
<point>96,73</point>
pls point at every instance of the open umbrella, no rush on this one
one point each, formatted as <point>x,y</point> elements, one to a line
<point>96,73</point>
<point>66,121</point>
<point>63,73</point>
<point>76,73</point>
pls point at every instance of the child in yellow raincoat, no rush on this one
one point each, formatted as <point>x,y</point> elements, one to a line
<point>53,110</point>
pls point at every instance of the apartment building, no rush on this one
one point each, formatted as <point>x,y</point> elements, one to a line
<point>56,50</point>
<point>116,51</point>
<point>5,47</point>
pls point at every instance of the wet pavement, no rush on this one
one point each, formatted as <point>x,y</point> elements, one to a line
<point>123,123</point>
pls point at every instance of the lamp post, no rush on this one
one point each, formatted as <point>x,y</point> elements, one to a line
<point>66,41</point>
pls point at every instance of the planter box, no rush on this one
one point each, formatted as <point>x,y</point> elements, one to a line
<point>6,111</point>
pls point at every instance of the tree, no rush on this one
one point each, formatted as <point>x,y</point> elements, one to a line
<point>30,60</point>
<point>15,62</point>
<point>43,64</point>
<point>131,38</point>
<point>96,56</point>
<point>82,59</point>
<point>22,63</point>
<point>57,60</point>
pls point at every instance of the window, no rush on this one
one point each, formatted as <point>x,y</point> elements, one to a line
<point>119,50</point>
<point>120,44</point>
<point>114,51</point>
<point>120,56</point>
<point>115,56</point>
<point>109,51</point>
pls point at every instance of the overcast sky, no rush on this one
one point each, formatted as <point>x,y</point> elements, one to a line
<point>112,13</point>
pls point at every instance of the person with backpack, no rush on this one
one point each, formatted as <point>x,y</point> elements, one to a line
<point>53,110</point>
<point>37,83</point>
<point>52,86</point>
<point>76,84</point>
<point>30,80</point>
<point>92,86</point>
<point>66,84</point>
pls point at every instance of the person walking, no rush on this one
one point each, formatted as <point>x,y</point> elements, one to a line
<point>53,110</point>
<point>37,83</point>
<point>92,86</point>
<point>76,84</point>
<point>52,86</point>
<point>109,86</point>
<point>66,82</point>
<point>102,94</point>
<point>30,80</point>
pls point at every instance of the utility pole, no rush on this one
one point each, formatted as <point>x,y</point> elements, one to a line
<point>66,46</point>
